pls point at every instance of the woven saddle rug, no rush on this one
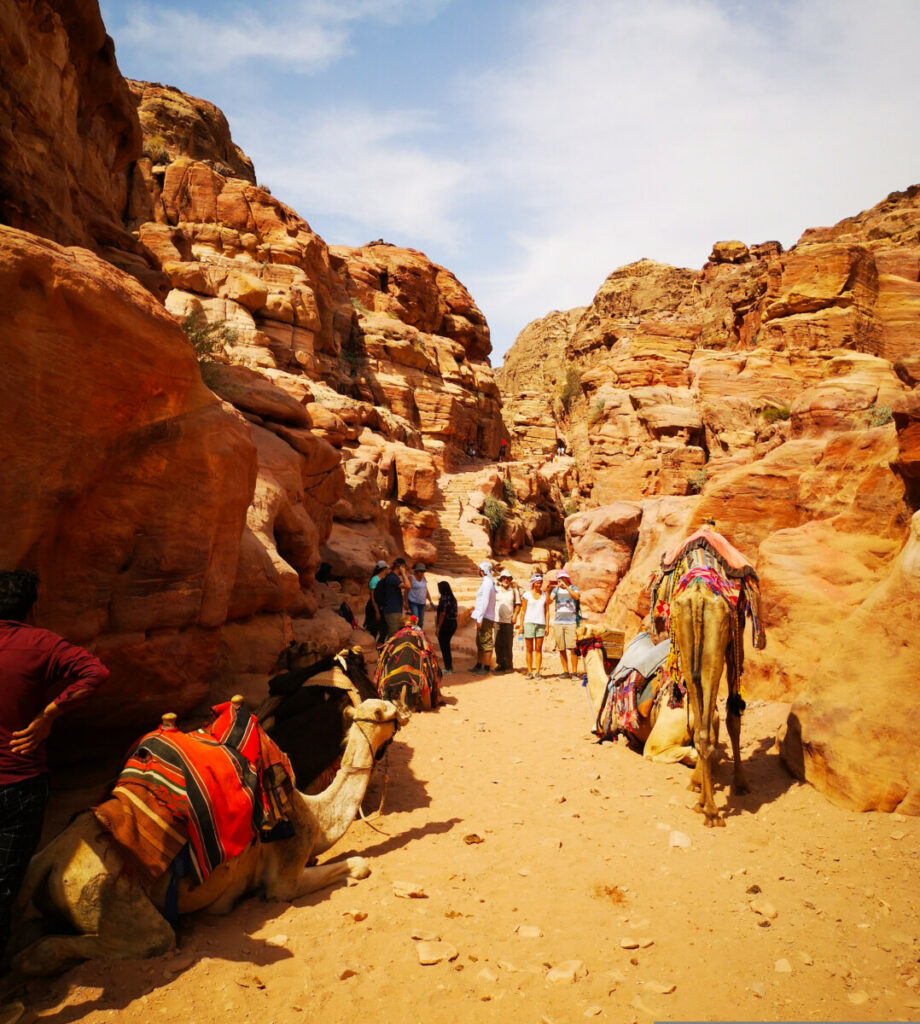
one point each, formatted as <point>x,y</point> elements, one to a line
<point>407,660</point>
<point>213,790</point>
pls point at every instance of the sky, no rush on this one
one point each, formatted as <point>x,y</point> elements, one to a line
<point>534,146</point>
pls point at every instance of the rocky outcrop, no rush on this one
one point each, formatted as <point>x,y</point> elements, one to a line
<point>126,482</point>
<point>68,130</point>
<point>776,393</point>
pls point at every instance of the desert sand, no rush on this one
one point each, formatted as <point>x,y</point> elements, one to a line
<point>562,880</point>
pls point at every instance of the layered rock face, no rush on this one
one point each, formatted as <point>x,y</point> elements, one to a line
<point>776,393</point>
<point>178,512</point>
<point>68,129</point>
<point>125,483</point>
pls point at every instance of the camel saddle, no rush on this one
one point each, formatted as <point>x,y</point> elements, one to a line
<point>211,791</point>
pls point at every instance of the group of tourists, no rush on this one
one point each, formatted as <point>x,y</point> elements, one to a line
<point>397,592</point>
<point>501,610</point>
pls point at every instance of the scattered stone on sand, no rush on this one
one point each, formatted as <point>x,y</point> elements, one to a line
<point>435,952</point>
<point>472,839</point>
<point>660,988</point>
<point>355,915</point>
<point>529,931</point>
<point>680,840</point>
<point>759,990</point>
<point>250,981</point>
<point>560,799</point>
<point>898,836</point>
<point>761,905</point>
<point>409,891</point>
<point>782,966</point>
<point>629,943</point>
<point>806,959</point>
<point>486,977</point>
<point>752,890</point>
<point>346,971</point>
<point>637,1004</point>
<point>898,817</point>
<point>858,998</point>
<point>280,940</point>
<point>419,935</point>
<point>645,943</point>
<point>568,970</point>
<point>592,1011</point>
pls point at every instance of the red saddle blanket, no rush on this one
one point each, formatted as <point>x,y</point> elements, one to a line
<point>214,789</point>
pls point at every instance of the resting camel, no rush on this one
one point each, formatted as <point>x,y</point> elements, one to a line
<point>663,732</point>
<point>710,589</point>
<point>86,877</point>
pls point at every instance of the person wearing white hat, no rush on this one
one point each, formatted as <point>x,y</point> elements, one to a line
<point>484,617</point>
<point>507,602</point>
<point>533,618</point>
<point>564,596</point>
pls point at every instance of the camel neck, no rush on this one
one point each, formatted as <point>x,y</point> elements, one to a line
<point>333,810</point>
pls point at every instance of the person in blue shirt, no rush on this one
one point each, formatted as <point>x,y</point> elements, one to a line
<point>564,597</point>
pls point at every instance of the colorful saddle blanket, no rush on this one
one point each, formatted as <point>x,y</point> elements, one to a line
<point>407,660</point>
<point>215,790</point>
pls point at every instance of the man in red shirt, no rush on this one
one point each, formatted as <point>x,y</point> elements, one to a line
<point>41,676</point>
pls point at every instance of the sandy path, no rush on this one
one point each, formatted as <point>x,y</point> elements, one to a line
<point>576,848</point>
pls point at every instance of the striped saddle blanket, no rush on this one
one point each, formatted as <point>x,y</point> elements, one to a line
<point>407,660</point>
<point>213,790</point>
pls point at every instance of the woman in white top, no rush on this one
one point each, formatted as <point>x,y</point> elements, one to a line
<point>532,621</point>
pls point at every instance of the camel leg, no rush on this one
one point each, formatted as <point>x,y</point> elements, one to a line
<point>318,877</point>
<point>130,930</point>
<point>701,629</point>
<point>739,781</point>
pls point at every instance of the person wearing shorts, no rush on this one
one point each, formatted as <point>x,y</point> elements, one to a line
<point>532,622</point>
<point>564,596</point>
<point>484,617</point>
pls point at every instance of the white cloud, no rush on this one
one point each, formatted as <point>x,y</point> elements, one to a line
<point>625,130</point>
<point>377,174</point>
<point>298,35</point>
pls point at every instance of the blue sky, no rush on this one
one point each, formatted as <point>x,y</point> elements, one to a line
<point>534,147</point>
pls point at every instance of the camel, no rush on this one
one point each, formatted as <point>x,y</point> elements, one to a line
<point>663,733</point>
<point>305,710</point>
<point>87,878</point>
<point>707,614</point>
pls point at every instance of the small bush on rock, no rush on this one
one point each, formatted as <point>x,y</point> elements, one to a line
<point>496,513</point>
<point>697,481</point>
<point>207,339</point>
<point>509,492</point>
<point>772,413</point>
<point>879,415</point>
<point>596,412</point>
<point>155,149</point>
<point>570,389</point>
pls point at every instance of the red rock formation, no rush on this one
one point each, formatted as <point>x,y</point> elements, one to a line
<point>125,483</point>
<point>776,386</point>
<point>68,128</point>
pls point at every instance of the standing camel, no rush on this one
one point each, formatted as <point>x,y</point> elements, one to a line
<point>711,588</point>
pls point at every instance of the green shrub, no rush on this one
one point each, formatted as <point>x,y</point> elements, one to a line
<point>697,481</point>
<point>509,492</point>
<point>569,506</point>
<point>496,513</point>
<point>570,389</point>
<point>772,413</point>
<point>155,149</point>
<point>596,412</point>
<point>207,339</point>
<point>879,415</point>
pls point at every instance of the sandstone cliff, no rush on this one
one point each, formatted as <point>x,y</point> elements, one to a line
<point>178,512</point>
<point>775,392</point>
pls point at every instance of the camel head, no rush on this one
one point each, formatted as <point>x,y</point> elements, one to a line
<point>378,721</point>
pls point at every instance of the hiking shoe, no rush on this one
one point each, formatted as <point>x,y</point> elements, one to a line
<point>477,670</point>
<point>528,675</point>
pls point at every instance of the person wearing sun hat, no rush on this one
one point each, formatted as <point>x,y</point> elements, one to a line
<point>507,601</point>
<point>532,620</point>
<point>484,617</point>
<point>564,597</point>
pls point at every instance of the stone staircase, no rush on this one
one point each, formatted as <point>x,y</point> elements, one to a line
<point>458,554</point>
